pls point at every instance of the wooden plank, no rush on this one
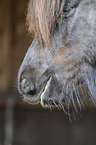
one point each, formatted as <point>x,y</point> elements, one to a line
<point>5,44</point>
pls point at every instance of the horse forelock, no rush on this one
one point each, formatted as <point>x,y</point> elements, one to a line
<point>42,16</point>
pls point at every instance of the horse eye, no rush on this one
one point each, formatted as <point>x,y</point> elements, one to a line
<point>68,12</point>
<point>70,8</point>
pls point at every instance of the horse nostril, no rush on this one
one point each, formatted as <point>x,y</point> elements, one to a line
<point>32,92</point>
<point>25,86</point>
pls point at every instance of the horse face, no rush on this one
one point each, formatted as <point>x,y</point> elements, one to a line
<point>63,74</point>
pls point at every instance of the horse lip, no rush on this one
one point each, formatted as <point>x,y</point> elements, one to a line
<point>45,88</point>
<point>38,97</point>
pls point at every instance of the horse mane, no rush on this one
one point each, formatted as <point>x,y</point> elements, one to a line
<point>42,16</point>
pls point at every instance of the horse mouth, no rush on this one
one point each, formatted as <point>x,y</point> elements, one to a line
<point>45,89</point>
<point>39,96</point>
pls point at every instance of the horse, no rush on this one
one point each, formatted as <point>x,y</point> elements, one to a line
<point>59,68</point>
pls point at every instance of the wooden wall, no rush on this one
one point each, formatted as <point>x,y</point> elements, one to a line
<point>14,41</point>
<point>5,44</point>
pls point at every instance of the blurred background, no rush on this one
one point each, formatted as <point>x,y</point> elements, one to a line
<point>22,123</point>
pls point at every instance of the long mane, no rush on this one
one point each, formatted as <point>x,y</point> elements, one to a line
<point>42,16</point>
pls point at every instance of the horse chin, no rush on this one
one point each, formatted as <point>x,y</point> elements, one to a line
<point>51,93</point>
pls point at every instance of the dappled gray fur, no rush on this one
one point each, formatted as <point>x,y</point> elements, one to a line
<point>62,74</point>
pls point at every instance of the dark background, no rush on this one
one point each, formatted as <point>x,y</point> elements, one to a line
<point>21,123</point>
